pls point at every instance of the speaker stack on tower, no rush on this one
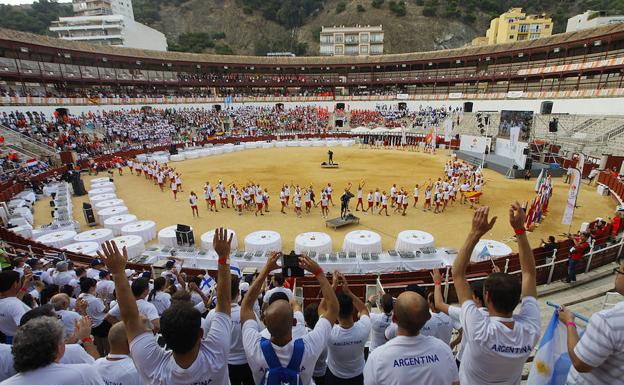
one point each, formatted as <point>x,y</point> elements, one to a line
<point>184,235</point>
<point>173,150</point>
<point>87,210</point>
<point>468,106</point>
<point>77,184</point>
<point>546,108</point>
<point>553,125</point>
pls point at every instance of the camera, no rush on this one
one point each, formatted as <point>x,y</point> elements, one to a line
<point>290,265</point>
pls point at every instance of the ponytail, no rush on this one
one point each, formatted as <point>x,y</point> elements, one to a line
<point>159,283</point>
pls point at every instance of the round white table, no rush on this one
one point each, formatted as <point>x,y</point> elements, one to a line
<point>487,248</point>
<point>23,230</point>
<point>14,203</point>
<point>118,221</point>
<point>57,239</point>
<point>177,157</point>
<point>264,241</point>
<point>206,240</point>
<point>134,244</point>
<point>106,213</point>
<point>103,197</point>
<point>99,191</point>
<point>86,248</point>
<point>98,236</point>
<point>109,203</point>
<point>145,229</point>
<point>250,145</point>
<point>362,241</point>
<point>167,236</point>
<point>412,240</point>
<point>321,243</point>
<point>102,185</point>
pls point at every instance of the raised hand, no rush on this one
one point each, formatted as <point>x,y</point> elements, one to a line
<point>345,284</point>
<point>82,328</point>
<point>272,261</point>
<point>516,216</point>
<point>436,276</point>
<point>221,243</point>
<point>335,279</point>
<point>114,259</point>
<point>480,223</point>
<point>308,264</point>
<point>81,306</point>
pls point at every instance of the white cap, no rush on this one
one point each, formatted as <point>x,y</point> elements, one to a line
<point>129,273</point>
<point>243,287</point>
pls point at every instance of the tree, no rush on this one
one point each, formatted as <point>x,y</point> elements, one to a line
<point>341,6</point>
<point>398,9</point>
<point>192,42</point>
<point>377,3</point>
<point>360,8</point>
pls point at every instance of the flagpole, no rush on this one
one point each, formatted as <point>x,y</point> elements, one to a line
<point>577,315</point>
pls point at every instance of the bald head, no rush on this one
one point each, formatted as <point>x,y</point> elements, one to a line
<point>118,340</point>
<point>278,318</point>
<point>60,301</point>
<point>411,311</point>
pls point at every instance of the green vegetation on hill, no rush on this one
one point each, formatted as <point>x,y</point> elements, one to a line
<point>35,18</point>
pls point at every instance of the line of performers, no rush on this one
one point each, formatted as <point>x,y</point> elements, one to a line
<point>461,180</point>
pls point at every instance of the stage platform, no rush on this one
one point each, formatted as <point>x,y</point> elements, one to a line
<point>502,165</point>
<point>341,222</point>
<point>327,165</point>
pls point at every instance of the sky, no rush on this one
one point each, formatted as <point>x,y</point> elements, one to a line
<point>15,2</point>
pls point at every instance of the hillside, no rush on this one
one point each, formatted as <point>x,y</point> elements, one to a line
<point>249,27</point>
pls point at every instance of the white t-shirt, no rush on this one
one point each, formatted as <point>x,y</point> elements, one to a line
<point>58,374</point>
<point>345,358</point>
<point>145,308</point>
<point>161,301</point>
<point>158,366</point>
<point>75,354</point>
<point>63,278</point>
<point>439,326</point>
<point>118,372</point>
<point>379,323</point>
<point>93,273</point>
<point>494,353</point>
<point>68,317</point>
<point>11,312</point>
<point>455,313</point>
<point>237,352</point>
<point>95,308</point>
<point>278,289</point>
<point>105,285</point>
<point>314,344</point>
<point>6,362</point>
<point>410,360</point>
<point>602,347</point>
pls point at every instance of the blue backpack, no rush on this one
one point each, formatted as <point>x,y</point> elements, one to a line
<point>278,374</point>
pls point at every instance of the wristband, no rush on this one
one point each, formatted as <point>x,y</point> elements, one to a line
<point>22,289</point>
<point>223,261</point>
<point>318,272</point>
<point>86,340</point>
<point>437,283</point>
<point>571,324</point>
<point>519,231</point>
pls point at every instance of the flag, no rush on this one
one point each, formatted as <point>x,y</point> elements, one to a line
<point>485,253</point>
<point>540,181</point>
<point>31,163</point>
<point>552,362</point>
<point>235,270</point>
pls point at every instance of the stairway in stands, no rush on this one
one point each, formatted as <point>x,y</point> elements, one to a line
<point>28,146</point>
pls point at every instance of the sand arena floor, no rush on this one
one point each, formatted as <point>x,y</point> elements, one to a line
<point>378,168</point>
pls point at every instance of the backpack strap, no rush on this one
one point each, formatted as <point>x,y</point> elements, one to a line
<point>269,354</point>
<point>297,357</point>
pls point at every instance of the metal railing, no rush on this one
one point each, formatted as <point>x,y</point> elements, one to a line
<point>29,143</point>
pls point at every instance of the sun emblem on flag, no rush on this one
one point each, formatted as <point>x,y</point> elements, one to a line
<point>542,368</point>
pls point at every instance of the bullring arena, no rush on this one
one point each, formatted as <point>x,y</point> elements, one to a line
<point>95,139</point>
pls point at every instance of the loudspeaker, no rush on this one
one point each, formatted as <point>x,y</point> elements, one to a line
<point>173,150</point>
<point>525,151</point>
<point>553,125</point>
<point>339,123</point>
<point>217,107</point>
<point>78,185</point>
<point>528,164</point>
<point>183,228</point>
<point>402,106</point>
<point>340,106</point>
<point>87,210</point>
<point>468,106</point>
<point>185,238</point>
<point>546,108</point>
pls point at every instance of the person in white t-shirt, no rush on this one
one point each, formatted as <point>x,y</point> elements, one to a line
<point>68,317</point>
<point>37,349</point>
<point>311,317</point>
<point>497,344</point>
<point>598,356</point>
<point>190,357</point>
<point>411,357</point>
<point>238,369</point>
<point>278,286</point>
<point>62,276</point>
<point>94,270</point>
<point>440,325</point>
<point>105,287</point>
<point>11,307</point>
<point>140,290</point>
<point>278,319</point>
<point>158,297</point>
<point>6,362</point>
<point>345,358</point>
<point>117,367</point>
<point>380,321</point>
<point>96,309</point>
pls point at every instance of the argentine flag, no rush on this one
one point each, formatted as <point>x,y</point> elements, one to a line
<point>484,254</point>
<point>552,362</point>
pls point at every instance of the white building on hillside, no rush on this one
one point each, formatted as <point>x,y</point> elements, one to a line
<point>108,22</point>
<point>592,19</point>
<point>352,41</point>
